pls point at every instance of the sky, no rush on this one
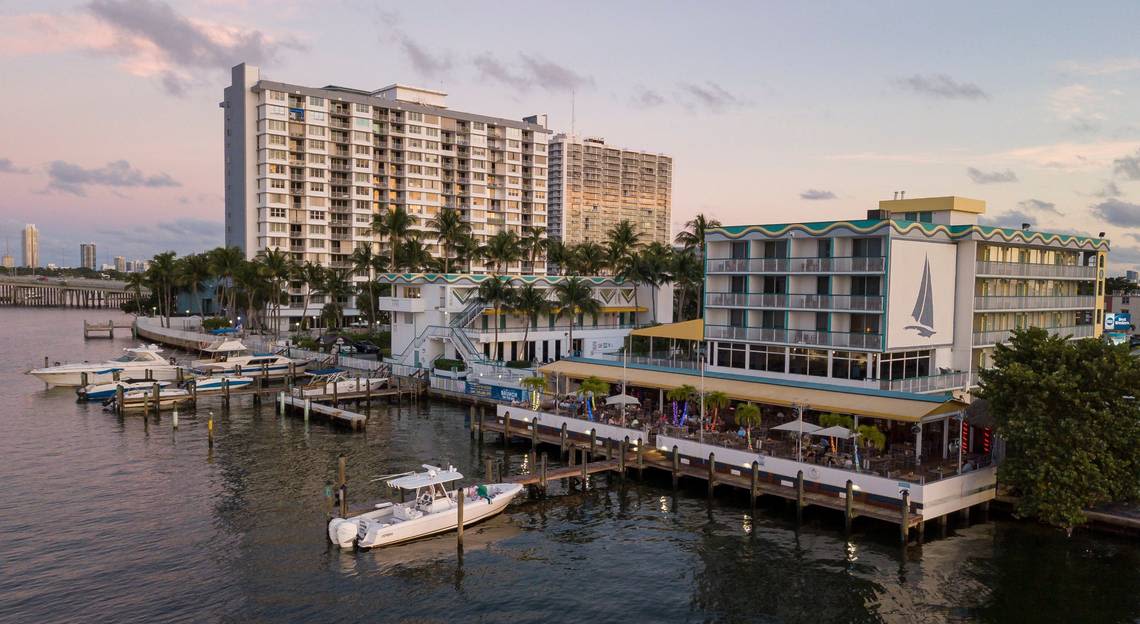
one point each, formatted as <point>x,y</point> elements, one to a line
<point>772,112</point>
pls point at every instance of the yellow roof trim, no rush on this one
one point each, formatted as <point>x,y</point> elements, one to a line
<point>684,330</point>
<point>839,401</point>
<point>616,309</point>
<point>933,204</point>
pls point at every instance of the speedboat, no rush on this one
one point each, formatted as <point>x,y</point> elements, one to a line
<point>144,362</point>
<point>103,391</point>
<point>216,383</point>
<point>433,510</point>
<point>334,381</point>
<point>140,399</point>
<point>230,356</point>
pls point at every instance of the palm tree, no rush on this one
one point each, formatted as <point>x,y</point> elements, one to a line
<point>529,302</point>
<point>311,275</point>
<point>575,297</point>
<point>693,237</point>
<point>714,401</point>
<point>683,394</point>
<point>193,270</point>
<point>593,385</point>
<point>412,255</point>
<point>135,284</point>
<point>495,292</point>
<point>748,416</point>
<point>688,274</point>
<point>655,262</point>
<point>395,225</point>
<point>225,262</point>
<point>276,266</point>
<point>162,275</point>
<point>451,230</point>
<point>335,287</point>
<point>252,284</point>
<point>536,384</point>
<point>533,244</point>
<point>469,249</point>
<point>556,254</point>
<point>622,244</point>
<point>502,249</point>
<point>364,261</point>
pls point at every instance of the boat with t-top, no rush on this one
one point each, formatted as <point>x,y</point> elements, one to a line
<point>229,356</point>
<point>432,510</point>
<point>144,362</point>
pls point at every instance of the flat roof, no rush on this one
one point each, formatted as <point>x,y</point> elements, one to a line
<point>886,404</point>
<point>934,204</point>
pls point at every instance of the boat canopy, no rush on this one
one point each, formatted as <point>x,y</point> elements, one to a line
<point>433,476</point>
<point>226,346</point>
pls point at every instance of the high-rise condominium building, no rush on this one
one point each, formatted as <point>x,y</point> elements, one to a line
<point>87,256</point>
<point>31,246</point>
<point>593,186</point>
<point>121,264</point>
<point>308,169</point>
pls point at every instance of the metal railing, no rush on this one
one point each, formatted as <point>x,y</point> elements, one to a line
<point>986,338</point>
<point>861,303</point>
<point>1028,269</point>
<point>1033,302</point>
<point>795,337</point>
<point>845,264</point>
<point>929,383</point>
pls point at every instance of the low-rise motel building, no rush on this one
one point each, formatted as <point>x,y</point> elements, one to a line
<point>873,329</point>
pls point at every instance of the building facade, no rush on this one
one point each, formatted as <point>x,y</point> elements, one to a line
<point>436,315</point>
<point>308,169</point>
<point>594,186</point>
<point>121,264</point>
<point>87,256</point>
<point>30,246</point>
<point>912,298</point>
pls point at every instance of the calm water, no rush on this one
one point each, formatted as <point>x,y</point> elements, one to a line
<point>107,518</point>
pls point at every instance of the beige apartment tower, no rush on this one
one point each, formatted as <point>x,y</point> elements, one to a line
<point>31,246</point>
<point>593,186</point>
<point>307,169</point>
<point>87,256</point>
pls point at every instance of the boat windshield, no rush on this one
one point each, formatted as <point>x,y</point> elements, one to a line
<point>132,357</point>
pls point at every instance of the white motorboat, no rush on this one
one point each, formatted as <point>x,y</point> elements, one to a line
<point>103,391</point>
<point>167,397</point>
<point>144,362</point>
<point>432,511</point>
<point>229,356</point>
<point>337,382</point>
<point>217,383</point>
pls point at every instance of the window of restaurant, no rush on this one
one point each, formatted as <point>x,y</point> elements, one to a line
<point>905,364</point>
<point>763,358</point>
<point>803,361</point>
<point>732,354</point>
<point>849,365</point>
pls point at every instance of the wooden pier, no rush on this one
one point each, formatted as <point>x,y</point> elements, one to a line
<point>334,414</point>
<point>98,330</point>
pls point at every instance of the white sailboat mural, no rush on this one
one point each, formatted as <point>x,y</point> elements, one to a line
<point>923,312</point>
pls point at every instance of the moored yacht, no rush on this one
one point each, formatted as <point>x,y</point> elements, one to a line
<point>432,511</point>
<point>230,356</point>
<point>144,362</point>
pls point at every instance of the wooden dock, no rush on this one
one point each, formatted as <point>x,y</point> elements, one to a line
<point>334,414</point>
<point>98,330</point>
<point>622,458</point>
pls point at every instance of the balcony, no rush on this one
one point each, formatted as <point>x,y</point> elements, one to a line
<point>841,303</point>
<point>796,337</point>
<point>400,304</point>
<point>873,264</point>
<point>985,268</point>
<point>930,383</point>
<point>988,338</point>
<point>1034,302</point>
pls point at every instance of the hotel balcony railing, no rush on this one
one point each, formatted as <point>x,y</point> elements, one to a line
<point>986,338</point>
<point>795,337</point>
<point>846,264</point>
<point>987,268</point>
<point>841,303</point>
<point>1034,302</point>
<point>930,383</point>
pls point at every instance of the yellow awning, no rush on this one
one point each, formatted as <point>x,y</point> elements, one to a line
<point>685,330</point>
<point>841,401</point>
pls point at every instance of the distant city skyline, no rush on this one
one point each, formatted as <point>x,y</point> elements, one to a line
<point>819,114</point>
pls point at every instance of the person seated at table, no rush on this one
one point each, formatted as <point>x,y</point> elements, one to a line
<point>741,433</point>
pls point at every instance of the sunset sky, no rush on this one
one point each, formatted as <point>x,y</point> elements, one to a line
<point>773,112</point>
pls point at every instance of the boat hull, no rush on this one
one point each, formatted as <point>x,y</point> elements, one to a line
<point>376,530</point>
<point>347,386</point>
<point>100,392</point>
<point>273,371</point>
<point>74,377</point>
<point>214,384</point>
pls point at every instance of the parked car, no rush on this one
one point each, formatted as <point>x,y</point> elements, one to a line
<point>365,347</point>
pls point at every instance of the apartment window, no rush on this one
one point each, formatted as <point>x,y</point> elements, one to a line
<point>736,318</point>
<point>732,354</point>
<point>904,364</point>
<point>317,243</point>
<point>772,319</point>
<point>776,249</point>
<point>739,284</point>
<point>849,365</point>
<point>807,362</point>
<point>764,358</point>
<point>277,213</point>
<point>864,323</point>
<point>363,108</point>
<point>823,285</point>
<point>276,183</point>
<point>276,139</point>
<point>824,248</point>
<point>822,322</point>
<point>775,285</point>
<point>316,215</point>
<point>865,286</point>
<point>318,116</point>
<point>316,229</point>
<point>316,187</point>
<point>317,159</point>
<point>277,125</point>
<point>275,110</point>
<point>275,154</point>
<point>867,247</point>
<point>739,249</point>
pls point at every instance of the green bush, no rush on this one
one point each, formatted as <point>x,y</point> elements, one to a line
<point>448,364</point>
<point>519,364</point>
<point>214,322</point>
<point>305,342</point>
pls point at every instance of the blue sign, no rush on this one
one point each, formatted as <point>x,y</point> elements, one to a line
<point>497,393</point>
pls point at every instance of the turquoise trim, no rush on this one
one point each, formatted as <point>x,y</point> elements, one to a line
<point>810,385</point>
<point>451,278</point>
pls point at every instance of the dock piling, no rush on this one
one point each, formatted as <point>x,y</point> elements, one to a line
<point>83,379</point>
<point>174,419</point>
<point>799,496</point>
<point>712,473</point>
<point>308,408</point>
<point>210,430</point>
<point>119,399</point>
<point>849,506</point>
<point>506,428</point>
<point>542,473</point>
<point>226,390</point>
<point>593,445</point>
<point>342,478</point>
<point>904,527</point>
<point>281,403</point>
<point>488,470</point>
<point>562,440</point>
<point>534,433</point>
<point>754,484</point>
<point>459,513</point>
<point>676,465</point>
<point>155,392</point>
<point>621,456</point>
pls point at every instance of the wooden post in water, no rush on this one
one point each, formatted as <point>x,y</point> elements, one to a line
<point>904,527</point>
<point>640,459</point>
<point>585,473</point>
<point>562,440</point>
<point>83,379</point>
<point>712,473</point>
<point>506,428</point>
<point>308,408</point>
<point>534,433</point>
<point>116,375</point>
<point>593,445</point>
<point>119,399</point>
<point>676,465</point>
<point>210,430</point>
<point>480,422</point>
<point>342,478</point>
<point>542,473</point>
<point>799,496</point>
<point>755,483</point>
<point>281,403</point>
<point>226,391</point>
<point>155,392</point>
<point>488,470</point>
<point>194,391</point>
<point>621,455</point>
<point>292,375</point>
<point>849,507</point>
<point>336,394</point>
<point>459,517</point>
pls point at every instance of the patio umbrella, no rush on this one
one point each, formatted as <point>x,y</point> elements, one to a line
<point>842,433</point>
<point>797,425</point>
<point>622,399</point>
